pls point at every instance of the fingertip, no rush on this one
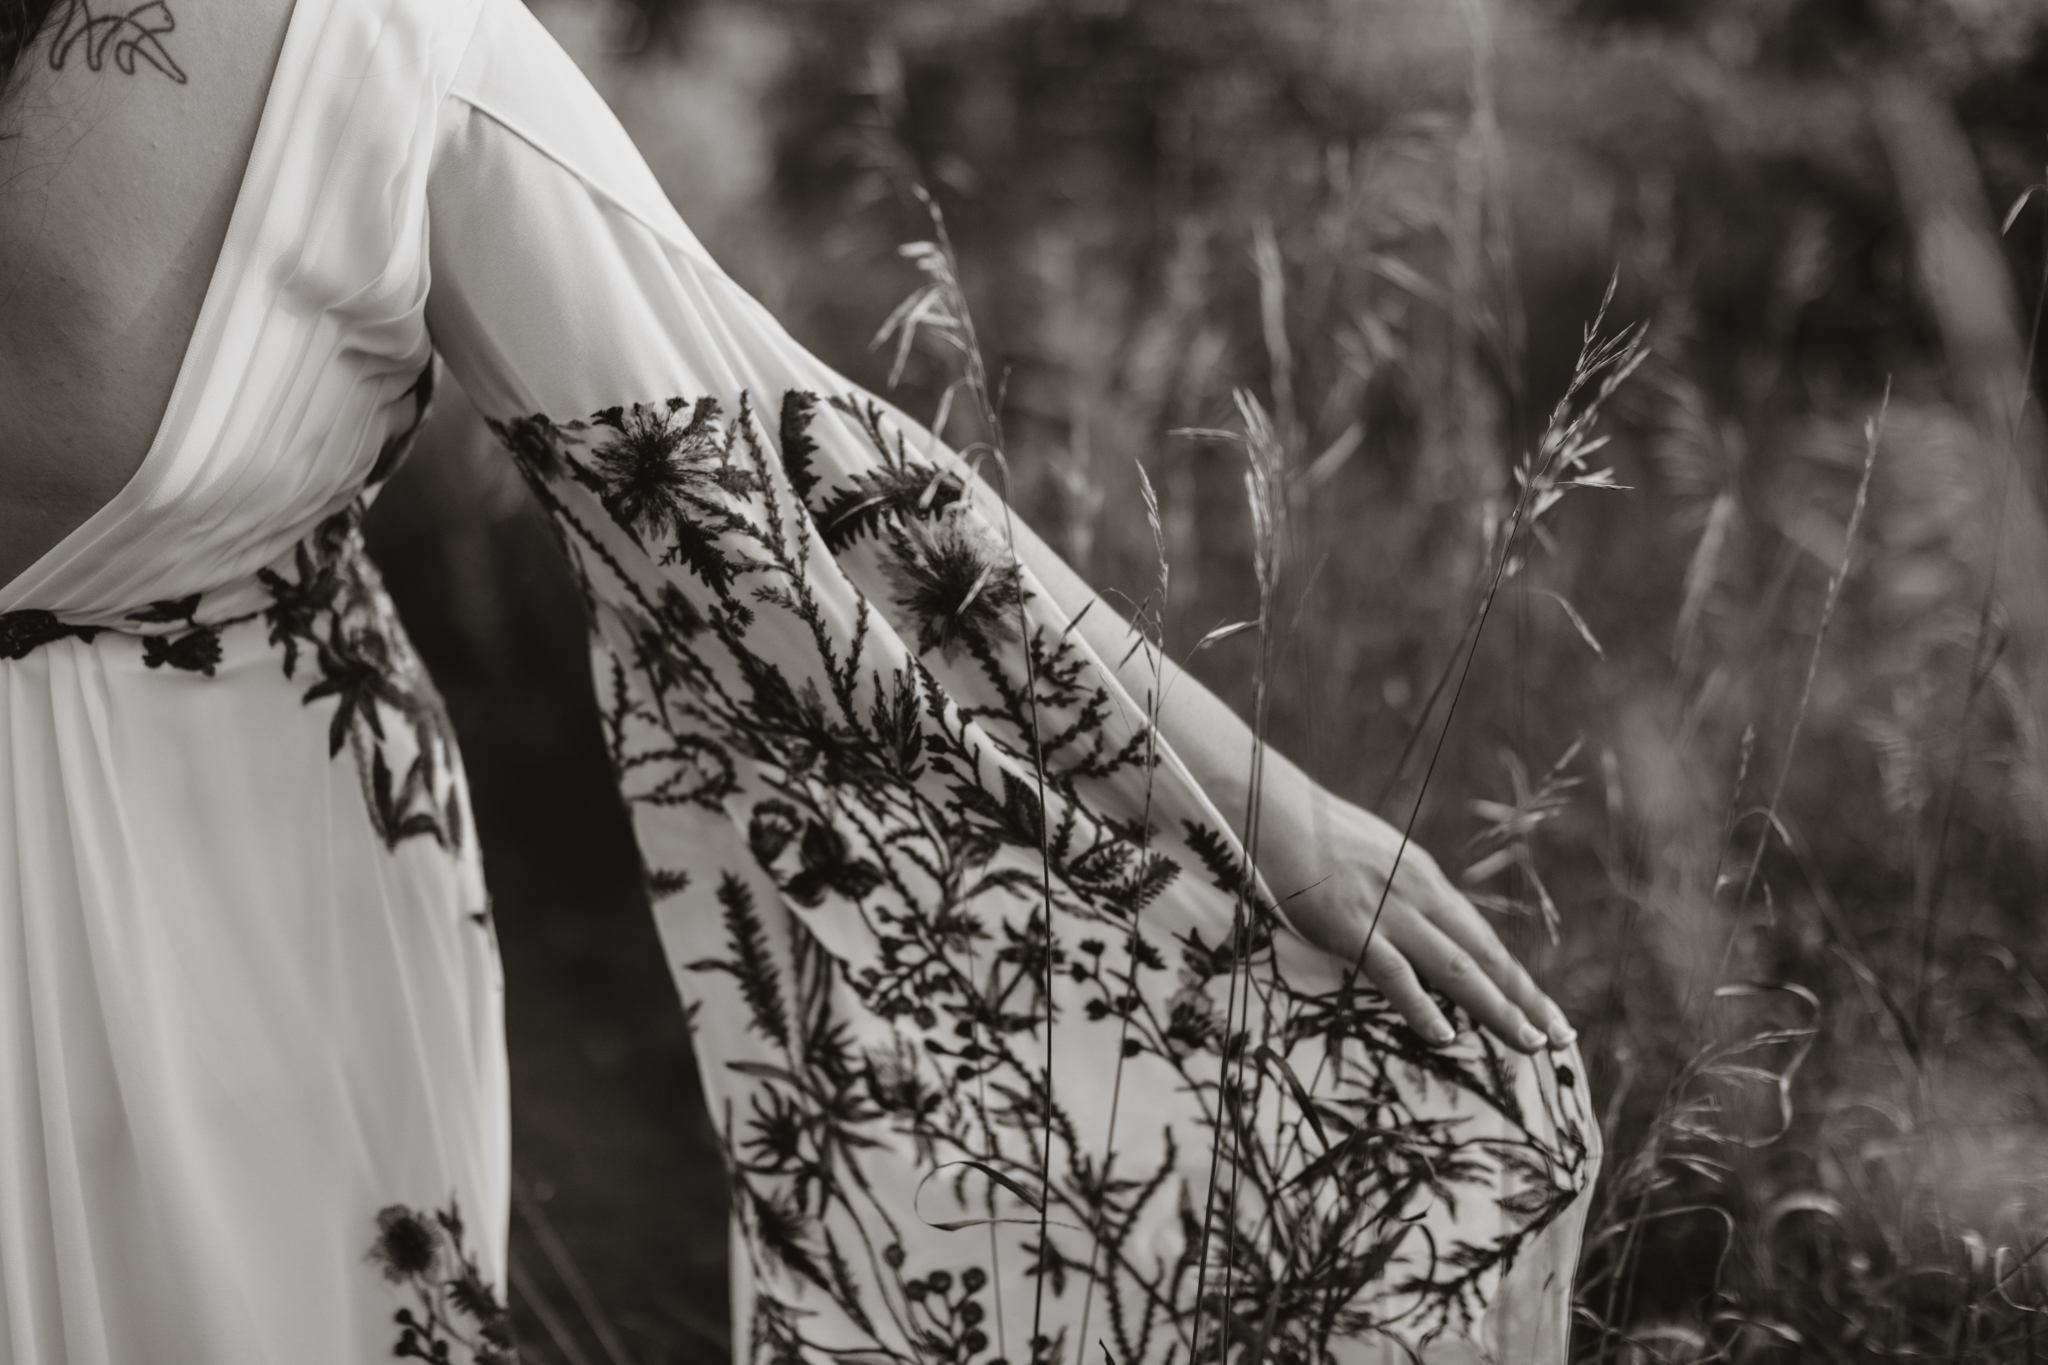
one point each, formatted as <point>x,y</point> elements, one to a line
<point>1557,1030</point>
<point>1513,1028</point>
<point>1441,1033</point>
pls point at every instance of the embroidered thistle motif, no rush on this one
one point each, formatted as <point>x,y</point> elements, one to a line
<point>953,580</point>
<point>661,478</point>
<point>942,898</point>
<point>456,1306</point>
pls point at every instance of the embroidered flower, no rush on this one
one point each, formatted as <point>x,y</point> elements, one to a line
<point>407,1244</point>
<point>957,586</point>
<point>665,480</point>
<point>957,816</point>
<point>196,651</point>
<point>827,867</point>
<point>647,474</point>
<point>456,1305</point>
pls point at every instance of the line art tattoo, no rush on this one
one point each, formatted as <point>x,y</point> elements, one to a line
<point>134,33</point>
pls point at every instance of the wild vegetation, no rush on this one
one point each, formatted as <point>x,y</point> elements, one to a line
<point>1741,742</point>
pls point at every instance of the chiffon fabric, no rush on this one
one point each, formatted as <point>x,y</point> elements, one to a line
<point>1013,1058</point>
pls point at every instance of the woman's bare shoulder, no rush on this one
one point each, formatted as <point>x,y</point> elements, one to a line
<point>123,137</point>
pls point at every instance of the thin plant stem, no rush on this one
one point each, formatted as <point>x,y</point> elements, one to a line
<point>1264,457</point>
<point>1153,614</point>
<point>977,382</point>
<point>960,322</point>
<point>537,1301</point>
<point>564,1265</point>
<point>1873,433</point>
<point>1980,664</point>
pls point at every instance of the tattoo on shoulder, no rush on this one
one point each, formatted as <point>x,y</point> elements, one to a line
<point>96,30</point>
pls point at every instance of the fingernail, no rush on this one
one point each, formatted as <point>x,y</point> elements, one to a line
<point>1442,1034</point>
<point>1563,1034</point>
<point>1531,1037</point>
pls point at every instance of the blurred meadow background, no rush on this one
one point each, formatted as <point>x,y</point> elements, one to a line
<point>1750,758</point>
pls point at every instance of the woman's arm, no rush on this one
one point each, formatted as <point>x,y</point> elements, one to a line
<point>523,182</point>
<point>1327,859</point>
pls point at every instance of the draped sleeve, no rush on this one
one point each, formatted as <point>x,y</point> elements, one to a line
<point>1008,1052</point>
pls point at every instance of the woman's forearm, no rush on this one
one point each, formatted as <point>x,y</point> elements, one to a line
<point>1349,883</point>
<point>1204,732</point>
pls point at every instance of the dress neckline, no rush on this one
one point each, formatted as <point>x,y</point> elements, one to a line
<point>244,220</point>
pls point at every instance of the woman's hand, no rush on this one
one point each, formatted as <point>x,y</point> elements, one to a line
<point>1428,932</point>
<point>1327,859</point>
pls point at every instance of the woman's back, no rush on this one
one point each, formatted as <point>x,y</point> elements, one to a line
<point>119,177</point>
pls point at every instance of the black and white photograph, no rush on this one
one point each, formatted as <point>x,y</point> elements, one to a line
<point>1023,682</point>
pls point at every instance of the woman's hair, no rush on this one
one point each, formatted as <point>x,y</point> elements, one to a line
<point>20,22</point>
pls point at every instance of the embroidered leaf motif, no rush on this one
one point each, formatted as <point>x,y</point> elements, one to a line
<point>780,1225</point>
<point>170,609</point>
<point>333,612</point>
<point>752,963</point>
<point>877,498</point>
<point>797,444</point>
<point>897,720</point>
<point>947,785</point>
<point>1224,866</point>
<point>354,673</point>
<point>535,447</point>
<point>296,607</point>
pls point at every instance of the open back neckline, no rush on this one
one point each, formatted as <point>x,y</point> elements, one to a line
<point>227,265</point>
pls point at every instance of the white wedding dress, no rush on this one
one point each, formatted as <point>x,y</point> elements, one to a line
<point>252,1079</point>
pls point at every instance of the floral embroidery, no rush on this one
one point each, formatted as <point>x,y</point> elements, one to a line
<point>828,645</point>
<point>195,650</point>
<point>950,579</point>
<point>660,478</point>
<point>24,632</point>
<point>457,1306</point>
<point>933,819</point>
<point>328,609</point>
